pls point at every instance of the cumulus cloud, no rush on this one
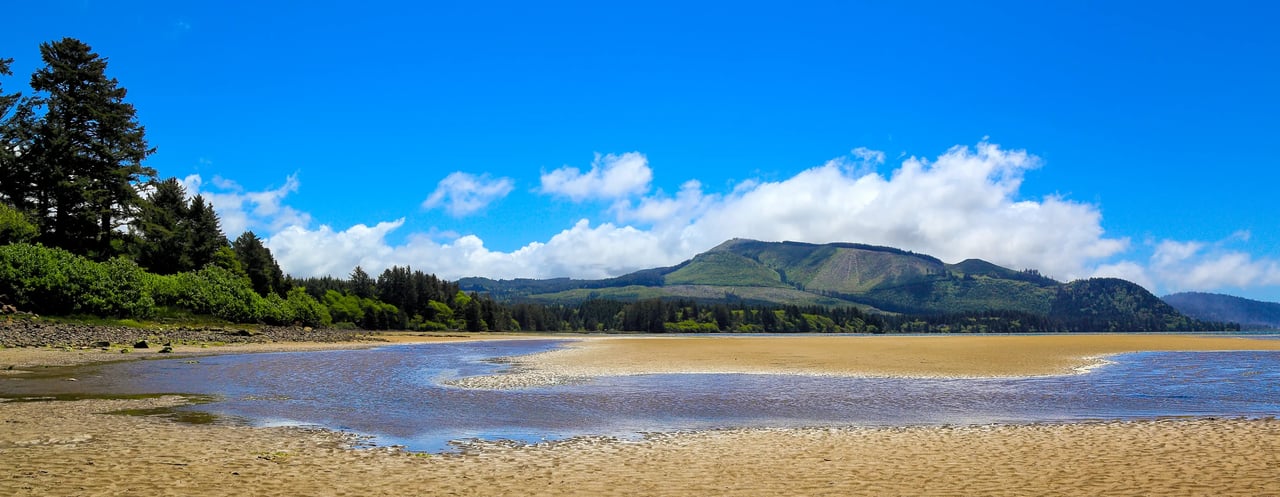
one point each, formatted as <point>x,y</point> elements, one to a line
<point>1199,266</point>
<point>461,193</point>
<point>965,203</point>
<point>1193,265</point>
<point>611,177</point>
<point>240,210</point>
<point>581,250</point>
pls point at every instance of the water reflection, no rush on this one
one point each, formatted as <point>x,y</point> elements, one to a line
<point>395,393</point>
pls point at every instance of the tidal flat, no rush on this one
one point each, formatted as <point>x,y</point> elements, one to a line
<point>1151,421</point>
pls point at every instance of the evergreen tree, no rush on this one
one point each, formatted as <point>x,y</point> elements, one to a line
<point>87,158</point>
<point>17,130</point>
<point>361,284</point>
<point>256,259</point>
<point>204,235</point>
<point>7,154</point>
<point>162,229</point>
<point>472,313</point>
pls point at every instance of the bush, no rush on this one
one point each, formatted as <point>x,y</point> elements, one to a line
<point>15,227</point>
<point>305,309</point>
<point>54,281</point>
<point>219,292</point>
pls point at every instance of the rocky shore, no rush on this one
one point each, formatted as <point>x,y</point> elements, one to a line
<point>34,333</point>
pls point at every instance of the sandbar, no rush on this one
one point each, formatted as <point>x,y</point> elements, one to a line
<point>951,356</point>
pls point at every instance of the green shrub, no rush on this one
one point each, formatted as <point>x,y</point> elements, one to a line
<point>305,309</point>
<point>15,227</point>
<point>54,281</point>
<point>219,292</point>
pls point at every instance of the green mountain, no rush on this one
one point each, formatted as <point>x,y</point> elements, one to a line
<point>872,278</point>
<point>1251,314</point>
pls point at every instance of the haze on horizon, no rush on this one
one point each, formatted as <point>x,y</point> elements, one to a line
<point>508,140</point>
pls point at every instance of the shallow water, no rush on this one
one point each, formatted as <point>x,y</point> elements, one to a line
<point>396,394</point>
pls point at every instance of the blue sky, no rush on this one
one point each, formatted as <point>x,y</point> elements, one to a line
<point>1132,139</point>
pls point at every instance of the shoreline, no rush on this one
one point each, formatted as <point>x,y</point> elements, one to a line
<point>77,447</point>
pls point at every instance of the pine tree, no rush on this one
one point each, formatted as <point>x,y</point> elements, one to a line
<point>87,158</point>
<point>162,229</point>
<point>362,285</point>
<point>204,235</point>
<point>256,259</point>
<point>17,130</point>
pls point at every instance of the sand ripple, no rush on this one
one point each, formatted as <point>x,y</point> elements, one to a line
<point>67,448</point>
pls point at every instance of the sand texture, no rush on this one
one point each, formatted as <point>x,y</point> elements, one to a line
<point>68,449</point>
<point>893,356</point>
<point>72,448</point>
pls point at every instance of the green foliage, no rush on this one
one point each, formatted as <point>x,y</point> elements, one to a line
<point>343,308</point>
<point>225,258</point>
<point>690,326</point>
<point>361,284</point>
<point>724,269</point>
<point>471,313</point>
<point>174,235</point>
<point>379,315</point>
<point>86,151</point>
<point>55,281</point>
<point>216,291</point>
<point>205,243</point>
<point>302,309</point>
<point>15,227</point>
<point>256,259</point>
<point>162,230</point>
<point>1110,304</point>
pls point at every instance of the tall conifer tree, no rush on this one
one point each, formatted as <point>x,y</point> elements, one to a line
<point>89,151</point>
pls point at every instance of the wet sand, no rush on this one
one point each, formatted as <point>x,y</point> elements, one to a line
<point>64,448</point>
<point>69,449</point>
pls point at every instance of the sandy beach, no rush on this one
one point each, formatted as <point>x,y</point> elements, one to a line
<point>70,449</point>
<point>966,356</point>
<point>65,448</point>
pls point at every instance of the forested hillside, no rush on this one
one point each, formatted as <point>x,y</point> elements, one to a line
<point>900,290</point>
<point>1251,314</point>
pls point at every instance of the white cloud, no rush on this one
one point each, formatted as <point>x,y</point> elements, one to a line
<point>325,251</point>
<point>1179,266</point>
<point>1127,270</point>
<point>962,205</point>
<point>240,210</point>
<point>611,176</point>
<point>1183,266</point>
<point>965,203</point>
<point>687,204</point>
<point>461,193</point>
<point>582,251</point>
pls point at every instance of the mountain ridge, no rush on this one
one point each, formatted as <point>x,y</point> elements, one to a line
<point>1251,314</point>
<point>872,278</point>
